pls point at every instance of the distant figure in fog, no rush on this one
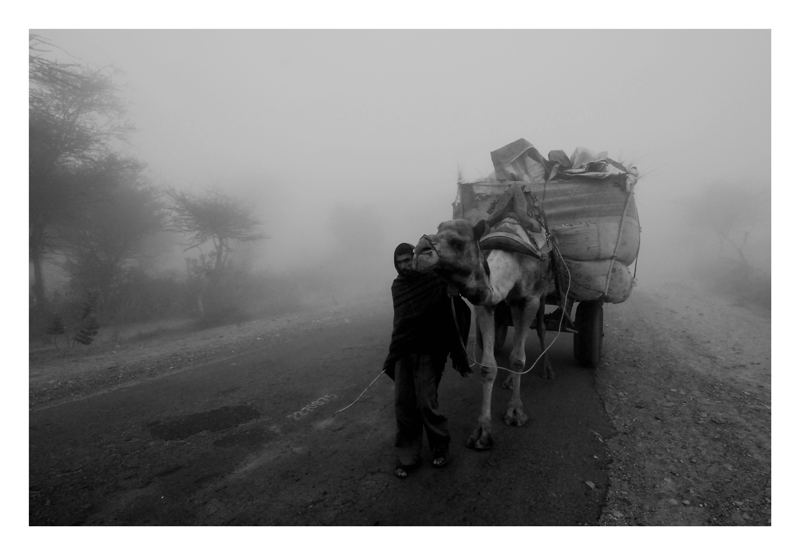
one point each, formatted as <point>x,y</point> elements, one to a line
<point>424,333</point>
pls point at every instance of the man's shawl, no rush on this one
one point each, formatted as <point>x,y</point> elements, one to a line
<point>423,321</point>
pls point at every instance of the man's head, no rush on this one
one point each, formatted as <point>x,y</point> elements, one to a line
<point>403,259</point>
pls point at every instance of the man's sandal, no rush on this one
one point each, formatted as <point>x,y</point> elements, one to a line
<point>440,461</point>
<point>402,470</point>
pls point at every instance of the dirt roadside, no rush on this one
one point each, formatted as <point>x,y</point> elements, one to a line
<point>687,385</point>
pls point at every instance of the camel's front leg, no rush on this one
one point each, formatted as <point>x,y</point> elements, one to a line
<point>481,438</point>
<point>523,316</point>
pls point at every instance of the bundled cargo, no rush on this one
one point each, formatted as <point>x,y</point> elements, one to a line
<point>588,205</point>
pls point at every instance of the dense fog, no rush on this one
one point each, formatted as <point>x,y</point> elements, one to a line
<point>343,143</point>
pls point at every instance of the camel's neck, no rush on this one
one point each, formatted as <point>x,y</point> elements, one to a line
<point>473,285</point>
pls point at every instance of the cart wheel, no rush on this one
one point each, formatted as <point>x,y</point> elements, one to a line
<point>587,343</point>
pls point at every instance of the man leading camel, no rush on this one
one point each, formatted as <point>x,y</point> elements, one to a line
<point>424,333</point>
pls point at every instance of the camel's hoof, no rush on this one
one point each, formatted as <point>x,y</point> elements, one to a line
<point>549,373</point>
<point>480,440</point>
<point>508,383</point>
<point>515,417</point>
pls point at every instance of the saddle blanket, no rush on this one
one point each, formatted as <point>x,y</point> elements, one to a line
<point>509,235</point>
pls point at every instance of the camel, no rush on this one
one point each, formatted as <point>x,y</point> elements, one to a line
<point>486,278</point>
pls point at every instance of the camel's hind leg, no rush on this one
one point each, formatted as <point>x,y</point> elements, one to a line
<point>523,315</point>
<point>541,330</point>
<point>481,438</point>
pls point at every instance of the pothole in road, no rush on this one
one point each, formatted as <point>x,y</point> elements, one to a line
<point>209,421</point>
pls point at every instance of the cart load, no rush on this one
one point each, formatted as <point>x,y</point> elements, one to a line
<point>587,203</point>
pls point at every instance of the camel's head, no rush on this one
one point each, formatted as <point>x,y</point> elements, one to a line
<point>453,254</point>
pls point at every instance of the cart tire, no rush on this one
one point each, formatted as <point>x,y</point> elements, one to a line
<point>587,343</point>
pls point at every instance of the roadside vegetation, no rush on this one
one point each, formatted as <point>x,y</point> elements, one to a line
<point>729,226</point>
<point>98,224</point>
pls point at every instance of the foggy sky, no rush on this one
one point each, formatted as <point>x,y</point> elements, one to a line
<point>304,123</point>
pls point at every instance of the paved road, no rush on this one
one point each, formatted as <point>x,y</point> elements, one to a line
<point>253,440</point>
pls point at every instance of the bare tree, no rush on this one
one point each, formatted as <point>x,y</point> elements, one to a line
<point>221,221</point>
<point>733,214</point>
<point>74,114</point>
<point>213,218</point>
<point>737,219</point>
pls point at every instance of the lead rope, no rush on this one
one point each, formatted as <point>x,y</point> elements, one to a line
<point>474,357</point>
<point>360,396</point>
